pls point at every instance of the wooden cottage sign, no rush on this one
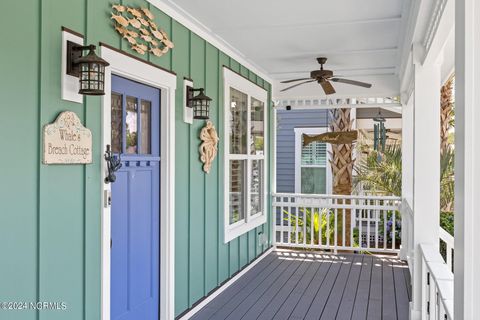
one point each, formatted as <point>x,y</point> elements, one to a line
<point>344,137</point>
<point>67,141</point>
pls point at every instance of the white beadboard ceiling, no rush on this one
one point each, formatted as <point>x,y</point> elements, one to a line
<point>361,39</point>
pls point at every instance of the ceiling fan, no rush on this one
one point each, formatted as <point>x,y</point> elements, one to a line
<point>323,77</point>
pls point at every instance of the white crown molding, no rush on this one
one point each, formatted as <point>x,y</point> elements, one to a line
<point>194,25</point>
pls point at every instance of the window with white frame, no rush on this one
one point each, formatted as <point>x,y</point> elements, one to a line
<point>245,154</point>
<point>312,169</point>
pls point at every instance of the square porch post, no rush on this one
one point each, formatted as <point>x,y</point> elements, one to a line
<point>467,160</point>
<point>426,166</point>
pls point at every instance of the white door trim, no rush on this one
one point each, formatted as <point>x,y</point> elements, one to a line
<point>136,70</point>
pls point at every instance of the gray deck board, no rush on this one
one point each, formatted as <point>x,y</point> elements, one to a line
<point>307,298</point>
<point>316,286</point>
<point>269,290</point>
<point>227,309</point>
<point>389,306</point>
<point>335,297</point>
<point>360,307</point>
<point>375,299</point>
<point>346,305</point>
<point>300,290</point>
<point>401,290</point>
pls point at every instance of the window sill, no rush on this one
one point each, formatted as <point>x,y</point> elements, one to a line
<point>239,228</point>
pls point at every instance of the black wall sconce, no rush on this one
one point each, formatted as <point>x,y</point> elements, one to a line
<point>114,163</point>
<point>200,103</point>
<point>90,69</point>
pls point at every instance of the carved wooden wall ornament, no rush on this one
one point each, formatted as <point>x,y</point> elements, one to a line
<point>208,148</point>
<point>136,26</point>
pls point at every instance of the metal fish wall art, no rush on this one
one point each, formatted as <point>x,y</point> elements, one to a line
<point>120,20</point>
<point>119,8</point>
<point>136,13</point>
<point>157,34</point>
<point>146,38</point>
<point>143,21</point>
<point>130,39</point>
<point>147,13</point>
<point>144,31</point>
<point>135,23</point>
<point>138,49</point>
<point>136,26</point>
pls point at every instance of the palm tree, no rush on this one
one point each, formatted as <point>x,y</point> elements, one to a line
<point>342,162</point>
<point>446,114</point>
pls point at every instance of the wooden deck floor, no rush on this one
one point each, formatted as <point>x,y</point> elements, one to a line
<point>293,285</point>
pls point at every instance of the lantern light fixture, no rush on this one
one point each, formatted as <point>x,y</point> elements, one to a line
<point>200,103</point>
<point>89,68</point>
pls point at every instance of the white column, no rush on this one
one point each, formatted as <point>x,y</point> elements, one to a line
<point>406,252</point>
<point>467,160</point>
<point>426,166</point>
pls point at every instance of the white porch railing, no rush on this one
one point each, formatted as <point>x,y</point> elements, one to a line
<point>448,240</point>
<point>437,285</point>
<point>325,221</point>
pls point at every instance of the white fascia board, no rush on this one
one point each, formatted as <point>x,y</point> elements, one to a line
<point>194,25</point>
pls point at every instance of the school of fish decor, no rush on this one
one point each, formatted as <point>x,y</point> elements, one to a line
<point>136,26</point>
<point>208,148</point>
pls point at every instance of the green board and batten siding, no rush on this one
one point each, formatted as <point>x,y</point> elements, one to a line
<point>50,215</point>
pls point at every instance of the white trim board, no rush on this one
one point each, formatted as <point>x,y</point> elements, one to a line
<point>194,25</point>
<point>133,69</point>
<point>224,287</point>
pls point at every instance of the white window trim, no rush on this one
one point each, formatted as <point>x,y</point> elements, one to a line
<point>298,157</point>
<point>132,69</point>
<point>236,81</point>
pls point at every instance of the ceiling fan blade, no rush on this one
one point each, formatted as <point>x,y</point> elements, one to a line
<point>327,87</point>
<point>296,85</point>
<point>352,82</point>
<point>293,80</point>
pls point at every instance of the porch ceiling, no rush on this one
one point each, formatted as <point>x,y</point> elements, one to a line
<point>362,39</point>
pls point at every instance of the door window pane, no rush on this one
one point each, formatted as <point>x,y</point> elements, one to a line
<point>257,127</point>
<point>256,191</point>
<point>237,190</point>
<point>117,123</point>
<point>238,122</point>
<point>131,125</point>
<point>145,129</point>
<point>314,180</point>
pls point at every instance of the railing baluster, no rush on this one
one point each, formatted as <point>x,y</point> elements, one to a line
<point>376,212</point>
<point>312,223</point>
<point>394,238</point>
<point>335,230</point>
<point>327,235</point>
<point>385,233</point>
<point>369,224</point>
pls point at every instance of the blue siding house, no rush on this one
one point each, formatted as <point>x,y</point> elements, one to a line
<point>290,126</point>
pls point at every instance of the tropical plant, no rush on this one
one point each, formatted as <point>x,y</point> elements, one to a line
<point>381,172</point>
<point>447,180</point>
<point>301,223</point>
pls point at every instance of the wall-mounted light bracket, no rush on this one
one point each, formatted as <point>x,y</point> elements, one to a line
<point>187,111</point>
<point>73,53</point>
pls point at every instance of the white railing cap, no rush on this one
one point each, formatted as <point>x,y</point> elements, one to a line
<point>430,253</point>
<point>334,196</point>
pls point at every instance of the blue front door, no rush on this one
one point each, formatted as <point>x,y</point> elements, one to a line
<point>135,201</point>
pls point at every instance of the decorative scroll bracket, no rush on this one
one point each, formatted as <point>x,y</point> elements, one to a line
<point>208,148</point>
